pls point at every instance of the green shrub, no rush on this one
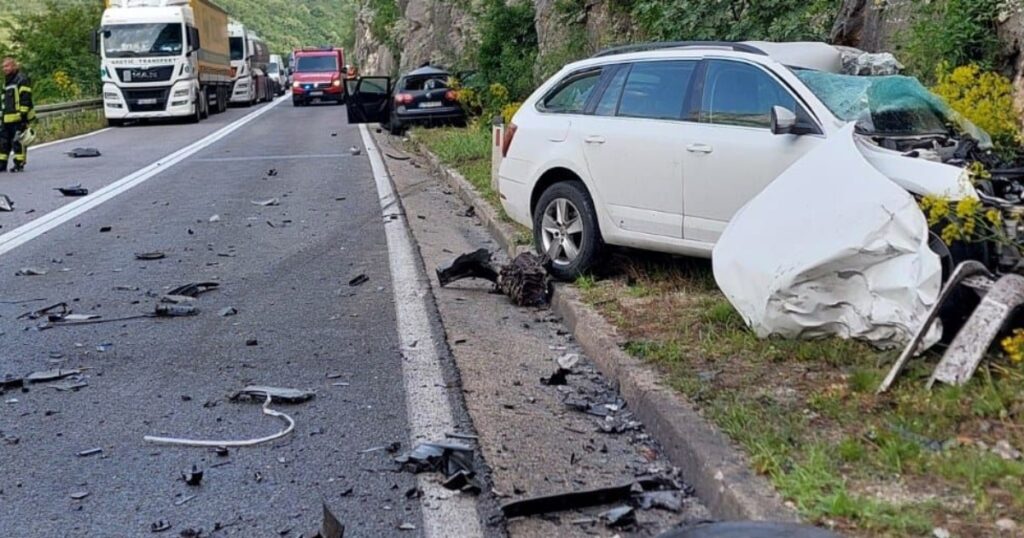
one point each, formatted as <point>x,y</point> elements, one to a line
<point>508,46</point>
<point>773,20</point>
<point>954,33</point>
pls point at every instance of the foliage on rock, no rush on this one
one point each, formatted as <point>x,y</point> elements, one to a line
<point>983,97</point>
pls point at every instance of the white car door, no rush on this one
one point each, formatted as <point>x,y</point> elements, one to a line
<point>633,145</point>
<point>731,154</point>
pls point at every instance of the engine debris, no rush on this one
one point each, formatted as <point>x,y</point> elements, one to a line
<point>453,460</point>
<point>524,279</point>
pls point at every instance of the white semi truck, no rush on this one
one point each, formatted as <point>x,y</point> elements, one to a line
<point>249,59</point>
<point>163,58</point>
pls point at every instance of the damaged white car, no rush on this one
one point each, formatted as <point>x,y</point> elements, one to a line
<point>659,146</point>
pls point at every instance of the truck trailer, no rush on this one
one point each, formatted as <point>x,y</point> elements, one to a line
<point>249,59</point>
<point>164,59</point>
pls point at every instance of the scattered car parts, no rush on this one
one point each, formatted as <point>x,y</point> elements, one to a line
<point>6,204</point>
<point>453,460</point>
<point>524,279</point>
<point>79,153</point>
<point>74,190</point>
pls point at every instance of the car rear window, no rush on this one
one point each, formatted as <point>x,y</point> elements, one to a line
<point>657,90</point>
<point>432,82</point>
<point>571,95</point>
<point>315,64</point>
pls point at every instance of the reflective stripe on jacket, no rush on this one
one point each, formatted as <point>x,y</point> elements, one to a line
<point>17,100</point>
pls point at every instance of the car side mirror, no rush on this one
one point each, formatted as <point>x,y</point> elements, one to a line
<point>783,120</point>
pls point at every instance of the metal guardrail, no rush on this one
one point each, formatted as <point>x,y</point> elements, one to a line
<point>71,106</point>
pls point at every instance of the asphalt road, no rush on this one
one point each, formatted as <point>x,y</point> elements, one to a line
<point>285,268</point>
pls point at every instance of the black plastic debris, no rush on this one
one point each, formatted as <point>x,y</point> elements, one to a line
<point>159,526</point>
<point>80,153</point>
<point>476,264</point>
<point>600,406</point>
<point>355,150</point>
<point>105,229</point>
<point>10,382</point>
<point>175,310</point>
<point>574,500</point>
<point>398,157</point>
<point>74,190</point>
<point>330,527</point>
<point>748,529</point>
<point>54,311</point>
<point>620,516</point>
<point>148,256</point>
<point>670,500</point>
<point>469,212</point>
<point>194,289</point>
<point>277,394</point>
<point>359,280</point>
<point>565,365</point>
<point>6,204</point>
<point>272,172</point>
<point>30,271</point>
<point>453,460</point>
<point>193,477</point>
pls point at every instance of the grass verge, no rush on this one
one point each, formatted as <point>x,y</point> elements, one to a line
<point>805,412</point>
<point>58,126</point>
<point>468,150</point>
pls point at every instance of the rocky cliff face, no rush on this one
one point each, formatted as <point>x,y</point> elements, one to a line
<point>435,31</point>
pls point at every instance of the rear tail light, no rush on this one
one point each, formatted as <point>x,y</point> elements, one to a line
<point>451,95</point>
<point>403,99</point>
<point>506,141</point>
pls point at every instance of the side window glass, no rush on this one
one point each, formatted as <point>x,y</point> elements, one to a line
<point>657,89</point>
<point>610,99</point>
<point>741,94</point>
<point>572,95</point>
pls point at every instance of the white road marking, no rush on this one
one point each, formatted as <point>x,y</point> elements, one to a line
<point>273,157</point>
<point>429,409</point>
<point>71,139</point>
<point>51,220</point>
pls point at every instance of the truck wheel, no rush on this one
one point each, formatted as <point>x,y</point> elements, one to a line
<point>204,101</point>
<point>197,114</point>
<point>115,122</point>
<point>222,99</point>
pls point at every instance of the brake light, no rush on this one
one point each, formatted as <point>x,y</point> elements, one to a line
<point>506,141</point>
<point>451,95</point>
<point>403,99</point>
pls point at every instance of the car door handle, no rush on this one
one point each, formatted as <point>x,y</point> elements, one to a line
<point>594,139</point>
<point>699,148</point>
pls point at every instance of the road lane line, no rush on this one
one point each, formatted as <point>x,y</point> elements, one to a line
<point>51,220</point>
<point>427,403</point>
<point>273,157</point>
<point>70,139</point>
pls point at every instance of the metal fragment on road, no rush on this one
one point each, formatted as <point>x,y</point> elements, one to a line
<point>359,280</point>
<point>79,153</point>
<point>79,495</point>
<point>455,461</point>
<point>89,452</point>
<point>159,526</point>
<point>194,289</point>
<point>175,310</point>
<point>969,346</point>
<point>6,204</point>
<point>155,255</point>
<point>30,271</point>
<point>330,527</point>
<point>228,311</point>
<point>583,499</point>
<point>55,310</point>
<point>52,375</point>
<point>355,150</point>
<point>279,394</point>
<point>620,516</point>
<point>214,218</point>
<point>74,190</point>
<point>266,203</point>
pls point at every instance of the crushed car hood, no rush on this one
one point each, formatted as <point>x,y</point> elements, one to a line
<point>832,247</point>
<point>919,176</point>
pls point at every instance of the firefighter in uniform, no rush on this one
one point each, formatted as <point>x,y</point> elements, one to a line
<point>18,112</point>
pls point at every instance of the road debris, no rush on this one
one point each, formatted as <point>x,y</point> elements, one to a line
<point>194,289</point>
<point>147,256</point>
<point>524,279</point>
<point>175,310</point>
<point>620,516</point>
<point>30,271</point>
<point>632,492</point>
<point>266,203</point>
<point>11,382</point>
<point>89,452</point>
<point>57,310</point>
<point>79,495</point>
<point>272,172</point>
<point>407,527</point>
<point>330,527</point>
<point>159,526</point>
<point>6,204</point>
<point>105,229</point>
<point>355,150</point>
<point>270,393</point>
<point>454,461</point>
<point>52,375</point>
<point>398,157</point>
<point>74,190</point>
<point>228,311</point>
<point>359,280</point>
<point>565,365</point>
<point>193,477</point>
<point>214,218</point>
<point>80,153</point>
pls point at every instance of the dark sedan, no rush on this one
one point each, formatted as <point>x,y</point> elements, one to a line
<point>419,97</point>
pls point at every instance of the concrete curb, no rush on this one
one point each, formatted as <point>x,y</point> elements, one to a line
<point>720,474</point>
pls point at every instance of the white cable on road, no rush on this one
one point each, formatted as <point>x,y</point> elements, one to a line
<point>51,220</point>
<point>427,399</point>
<point>248,442</point>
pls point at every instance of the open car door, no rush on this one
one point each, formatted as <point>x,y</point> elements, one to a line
<point>368,99</point>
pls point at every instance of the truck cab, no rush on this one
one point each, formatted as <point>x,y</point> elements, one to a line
<point>249,59</point>
<point>318,74</point>
<point>154,63</point>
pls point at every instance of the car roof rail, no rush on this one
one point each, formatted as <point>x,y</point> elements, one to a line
<point>662,45</point>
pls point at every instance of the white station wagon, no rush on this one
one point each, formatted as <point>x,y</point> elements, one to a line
<point>658,146</point>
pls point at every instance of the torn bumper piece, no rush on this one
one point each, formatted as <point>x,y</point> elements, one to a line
<point>856,264</point>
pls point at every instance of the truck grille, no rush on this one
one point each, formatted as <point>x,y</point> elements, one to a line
<point>162,73</point>
<point>147,100</point>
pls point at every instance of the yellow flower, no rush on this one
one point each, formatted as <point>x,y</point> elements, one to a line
<point>1013,345</point>
<point>938,209</point>
<point>950,233</point>
<point>994,216</point>
<point>967,208</point>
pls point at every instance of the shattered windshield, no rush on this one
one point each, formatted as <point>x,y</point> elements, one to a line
<point>888,105</point>
<point>131,40</point>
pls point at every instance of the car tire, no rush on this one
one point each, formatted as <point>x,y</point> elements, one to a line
<point>115,122</point>
<point>569,207</point>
